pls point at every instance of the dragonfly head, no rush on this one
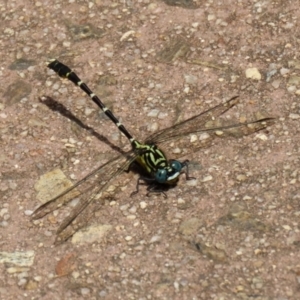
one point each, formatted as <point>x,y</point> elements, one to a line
<point>169,174</point>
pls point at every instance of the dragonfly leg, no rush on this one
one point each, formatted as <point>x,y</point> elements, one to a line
<point>153,187</point>
<point>138,183</point>
<point>186,170</point>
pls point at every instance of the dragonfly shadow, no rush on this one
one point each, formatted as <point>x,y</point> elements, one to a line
<point>60,108</point>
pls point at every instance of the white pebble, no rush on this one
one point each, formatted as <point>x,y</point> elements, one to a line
<point>253,73</point>
<point>143,204</point>
<point>207,178</point>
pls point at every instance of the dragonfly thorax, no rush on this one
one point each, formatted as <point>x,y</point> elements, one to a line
<point>154,162</point>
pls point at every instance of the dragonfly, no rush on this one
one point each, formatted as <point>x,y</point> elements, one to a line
<point>199,131</point>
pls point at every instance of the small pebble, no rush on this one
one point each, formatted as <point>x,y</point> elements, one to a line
<point>143,204</point>
<point>253,73</point>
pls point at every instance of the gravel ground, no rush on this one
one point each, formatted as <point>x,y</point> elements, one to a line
<point>233,232</point>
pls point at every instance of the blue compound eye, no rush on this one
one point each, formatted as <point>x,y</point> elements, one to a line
<point>176,165</point>
<point>161,176</point>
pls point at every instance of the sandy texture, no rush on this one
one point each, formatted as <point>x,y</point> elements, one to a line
<point>233,233</point>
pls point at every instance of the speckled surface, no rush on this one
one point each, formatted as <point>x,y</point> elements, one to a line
<point>233,233</point>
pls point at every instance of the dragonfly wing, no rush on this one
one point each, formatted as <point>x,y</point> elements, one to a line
<point>56,202</point>
<point>203,137</point>
<point>82,212</point>
<point>80,215</point>
<point>70,193</point>
<point>192,124</point>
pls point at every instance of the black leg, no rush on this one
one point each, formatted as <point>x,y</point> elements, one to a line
<point>155,189</point>
<point>138,183</point>
<point>186,171</point>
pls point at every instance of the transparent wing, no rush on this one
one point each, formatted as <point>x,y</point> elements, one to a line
<point>82,212</point>
<point>204,137</point>
<point>69,194</point>
<point>199,131</point>
<point>94,184</point>
<point>191,125</point>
